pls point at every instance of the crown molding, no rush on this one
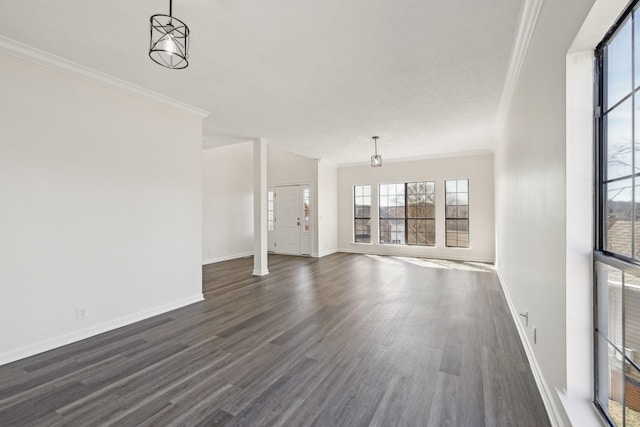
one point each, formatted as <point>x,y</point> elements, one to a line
<point>45,59</point>
<point>385,161</point>
<point>526,25</point>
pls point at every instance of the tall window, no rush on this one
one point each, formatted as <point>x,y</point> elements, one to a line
<point>421,213</point>
<point>617,255</point>
<point>392,213</point>
<point>362,213</point>
<point>457,213</point>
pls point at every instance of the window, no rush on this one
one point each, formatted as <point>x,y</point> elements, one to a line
<point>305,208</point>
<point>457,213</point>
<point>421,213</point>
<point>407,213</point>
<point>362,213</point>
<point>271,219</point>
<point>392,213</point>
<point>617,254</point>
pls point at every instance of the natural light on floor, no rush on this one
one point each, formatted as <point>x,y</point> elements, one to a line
<point>436,263</point>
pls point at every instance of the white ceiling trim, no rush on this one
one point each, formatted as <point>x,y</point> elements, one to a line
<point>39,57</point>
<point>416,158</point>
<point>526,25</point>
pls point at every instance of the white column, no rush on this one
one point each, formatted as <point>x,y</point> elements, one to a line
<point>260,208</point>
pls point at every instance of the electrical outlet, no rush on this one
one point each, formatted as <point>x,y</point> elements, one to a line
<point>82,313</point>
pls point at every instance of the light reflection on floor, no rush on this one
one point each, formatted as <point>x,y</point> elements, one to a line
<point>436,263</point>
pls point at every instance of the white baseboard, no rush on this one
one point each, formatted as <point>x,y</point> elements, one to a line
<point>450,257</point>
<point>329,252</point>
<point>71,337</point>
<point>226,258</point>
<point>260,272</point>
<point>545,392</point>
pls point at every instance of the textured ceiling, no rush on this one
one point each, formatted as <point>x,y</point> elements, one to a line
<point>315,78</point>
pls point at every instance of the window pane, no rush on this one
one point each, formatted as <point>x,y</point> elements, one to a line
<point>362,231</point>
<point>420,232</point>
<point>631,395</point>
<point>462,199</point>
<point>618,65</point>
<point>609,302</point>
<point>619,146</point>
<point>618,218</point>
<point>463,186</point>
<point>636,115</point>
<point>392,231</point>
<point>430,211</point>
<point>632,318</point>
<point>457,231</point>
<point>636,29</point>
<point>610,380</point>
<point>452,238</point>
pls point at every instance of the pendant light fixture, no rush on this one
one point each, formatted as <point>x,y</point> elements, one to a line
<point>169,40</point>
<point>376,159</point>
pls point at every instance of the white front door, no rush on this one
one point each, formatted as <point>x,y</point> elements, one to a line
<point>288,221</point>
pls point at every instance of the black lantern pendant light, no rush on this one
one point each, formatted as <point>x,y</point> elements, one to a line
<point>376,159</point>
<point>169,40</point>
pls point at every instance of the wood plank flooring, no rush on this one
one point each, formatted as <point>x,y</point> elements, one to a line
<point>347,339</point>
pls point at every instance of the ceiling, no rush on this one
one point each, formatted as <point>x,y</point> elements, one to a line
<point>317,78</point>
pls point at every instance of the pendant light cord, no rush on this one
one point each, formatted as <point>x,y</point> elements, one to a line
<point>171,8</point>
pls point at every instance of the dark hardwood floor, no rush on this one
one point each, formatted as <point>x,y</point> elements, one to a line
<point>346,339</point>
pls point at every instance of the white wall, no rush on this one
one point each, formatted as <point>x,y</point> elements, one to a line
<point>531,197</point>
<point>478,169</point>
<point>286,168</point>
<point>327,208</point>
<point>227,203</point>
<point>100,207</point>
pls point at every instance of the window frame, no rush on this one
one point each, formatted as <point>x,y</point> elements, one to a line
<point>271,211</point>
<point>406,218</point>
<point>456,218</point>
<point>356,217</point>
<point>426,218</point>
<point>603,255</point>
<point>398,208</point>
